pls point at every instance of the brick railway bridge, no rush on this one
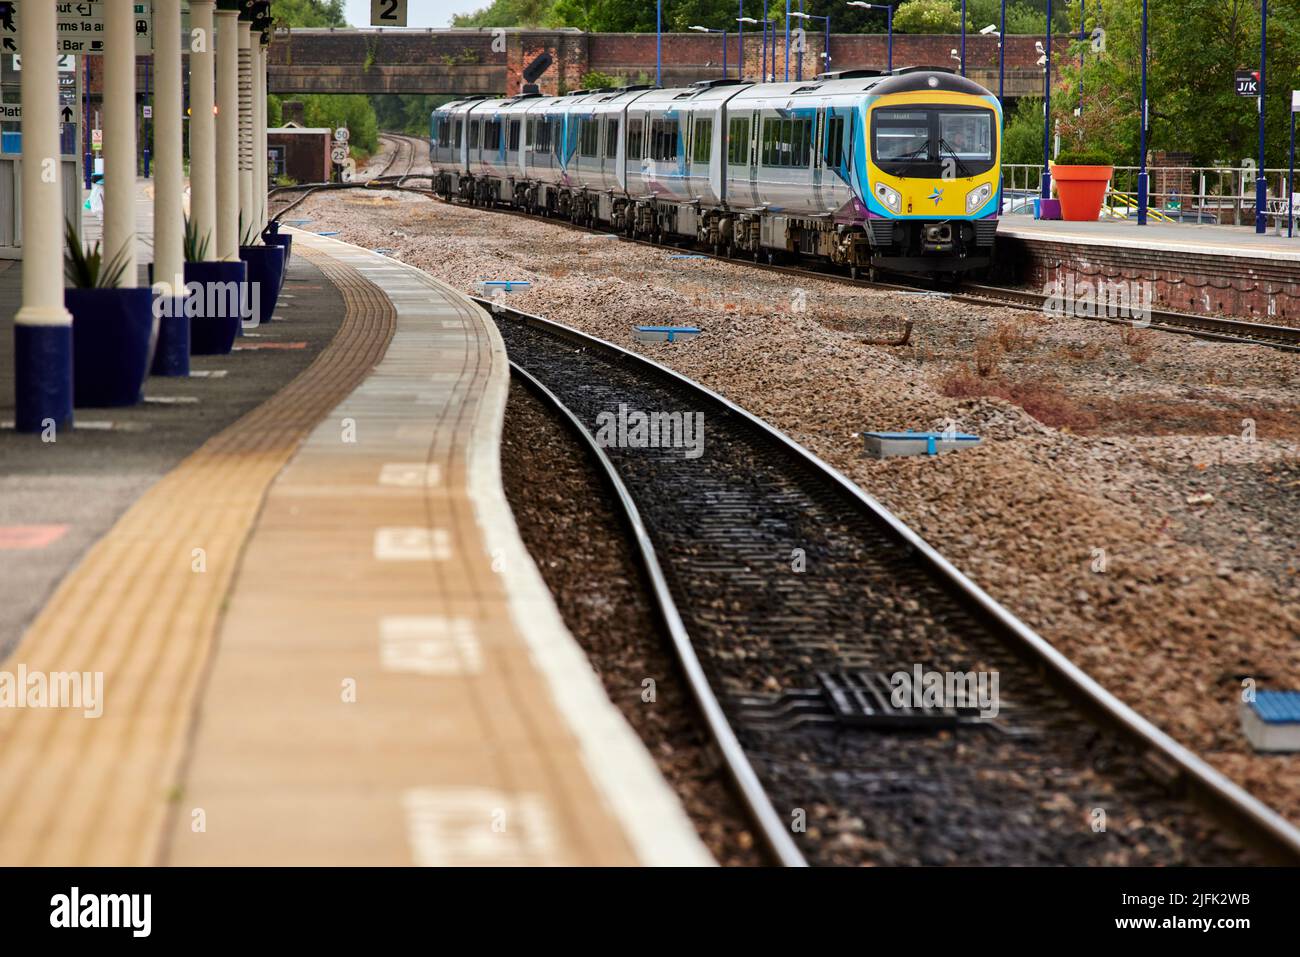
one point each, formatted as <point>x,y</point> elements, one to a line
<point>467,61</point>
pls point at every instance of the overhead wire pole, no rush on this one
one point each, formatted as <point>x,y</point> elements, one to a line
<point>119,138</point>
<point>42,326</point>
<point>787,41</point>
<point>203,173</point>
<point>227,138</point>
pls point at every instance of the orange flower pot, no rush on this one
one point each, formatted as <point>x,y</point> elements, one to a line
<point>1081,189</point>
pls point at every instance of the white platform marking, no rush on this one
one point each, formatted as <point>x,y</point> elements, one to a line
<point>410,474</point>
<point>413,544</point>
<point>429,645</point>
<point>478,826</point>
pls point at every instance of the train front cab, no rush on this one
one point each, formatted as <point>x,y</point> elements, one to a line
<point>934,144</point>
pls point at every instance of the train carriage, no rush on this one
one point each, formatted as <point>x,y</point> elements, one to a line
<point>896,171</point>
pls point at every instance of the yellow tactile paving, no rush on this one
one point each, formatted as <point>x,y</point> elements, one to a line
<point>97,791</point>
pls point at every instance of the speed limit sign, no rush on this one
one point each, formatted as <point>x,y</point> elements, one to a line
<point>341,135</point>
<point>339,154</point>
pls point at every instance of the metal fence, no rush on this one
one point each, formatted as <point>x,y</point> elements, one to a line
<point>1189,194</point>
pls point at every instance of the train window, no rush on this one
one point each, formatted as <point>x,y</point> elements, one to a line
<point>444,132</point>
<point>589,139</point>
<point>473,133</point>
<point>492,134</point>
<point>702,144</point>
<point>902,134</point>
<point>968,134</point>
<point>787,142</point>
<point>738,141</point>
<point>664,135</point>
<point>455,136</point>
<point>611,137</point>
<point>514,135</point>
<point>834,140</point>
<point>634,139</point>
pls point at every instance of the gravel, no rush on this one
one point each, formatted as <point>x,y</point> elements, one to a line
<point>1085,521</point>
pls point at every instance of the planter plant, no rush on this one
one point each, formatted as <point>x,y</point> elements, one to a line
<point>265,275</point>
<point>114,329</point>
<point>1081,178</point>
<point>213,294</point>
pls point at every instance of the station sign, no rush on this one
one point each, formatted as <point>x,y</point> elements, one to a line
<point>80,26</point>
<point>1295,101</point>
<point>67,63</point>
<point>388,13</point>
<point>1247,82</point>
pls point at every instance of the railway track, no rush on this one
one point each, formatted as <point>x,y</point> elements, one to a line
<point>1206,327</point>
<point>794,599</point>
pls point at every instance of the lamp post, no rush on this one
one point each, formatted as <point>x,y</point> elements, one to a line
<point>1082,36</point>
<point>1142,128</point>
<point>826,49</point>
<point>740,43</point>
<point>1261,180</point>
<point>993,30</point>
<point>659,42</point>
<point>963,37</point>
<point>724,45</point>
<point>1047,107</point>
<point>764,24</point>
<point>1002,50</point>
<point>889,26</point>
<point>787,41</point>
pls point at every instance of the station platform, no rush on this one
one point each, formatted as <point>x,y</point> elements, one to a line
<point>1213,270</point>
<point>322,641</point>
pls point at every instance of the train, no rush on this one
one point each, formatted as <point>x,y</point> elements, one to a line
<point>873,171</point>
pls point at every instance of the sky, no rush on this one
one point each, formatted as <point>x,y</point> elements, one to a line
<point>420,13</point>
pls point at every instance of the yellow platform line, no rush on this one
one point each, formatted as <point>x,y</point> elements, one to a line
<point>95,791</point>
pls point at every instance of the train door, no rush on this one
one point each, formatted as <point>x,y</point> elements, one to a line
<point>700,149</point>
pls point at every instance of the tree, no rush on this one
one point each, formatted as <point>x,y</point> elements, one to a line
<point>309,13</point>
<point>927,16</point>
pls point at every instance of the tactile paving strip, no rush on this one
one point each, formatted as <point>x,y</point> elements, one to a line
<point>142,607</point>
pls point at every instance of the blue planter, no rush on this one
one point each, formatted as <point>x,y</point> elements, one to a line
<point>285,241</point>
<point>172,356</point>
<point>113,337</point>
<point>265,273</point>
<point>213,292</point>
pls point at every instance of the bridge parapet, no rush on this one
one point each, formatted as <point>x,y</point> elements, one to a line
<point>469,61</point>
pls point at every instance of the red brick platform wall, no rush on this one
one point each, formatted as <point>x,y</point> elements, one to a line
<point>1265,290</point>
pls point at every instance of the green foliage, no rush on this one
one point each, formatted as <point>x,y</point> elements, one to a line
<point>309,13</point>
<point>506,13</point>
<point>86,269</point>
<point>344,109</point>
<point>196,248</point>
<point>274,111</point>
<point>1082,158</point>
<point>927,16</point>
<point>406,113</point>
<point>595,80</point>
<point>1022,136</point>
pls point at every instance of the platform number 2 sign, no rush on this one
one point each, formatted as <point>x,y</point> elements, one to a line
<point>388,13</point>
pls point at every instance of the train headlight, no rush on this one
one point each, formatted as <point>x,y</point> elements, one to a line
<point>978,197</point>
<point>889,198</point>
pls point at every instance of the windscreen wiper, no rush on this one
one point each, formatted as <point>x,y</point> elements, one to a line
<point>944,145</point>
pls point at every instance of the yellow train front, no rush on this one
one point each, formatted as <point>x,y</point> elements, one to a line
<point>931,179</point>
